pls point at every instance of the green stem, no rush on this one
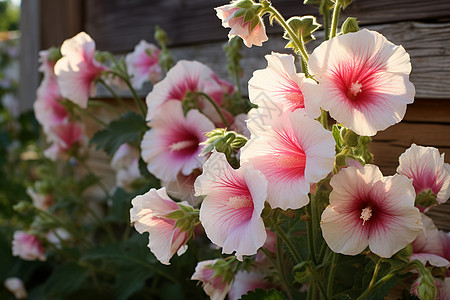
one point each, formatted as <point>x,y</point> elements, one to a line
<point>335,20</point>
<point>90,115</point>
<point>280,267</point>
<point>322,290</point>
<point>331,275</point>
<point>323,119</point>
<point>114,94</point>
<point>280,271</point>
<point>309,227</point>
<point>215,107</point>
<point>136,98</point>
<point>377,285</point>
<point>323,250</point>
<point>99,182</point>
<point>297,41</point>
<point>326,23</point>
<point>375,273</point>
<point>285,239</point>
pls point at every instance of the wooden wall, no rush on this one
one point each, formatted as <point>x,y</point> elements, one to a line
<point>423,28</point>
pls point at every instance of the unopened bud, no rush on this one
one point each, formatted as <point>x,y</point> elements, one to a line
<point>350,25</point>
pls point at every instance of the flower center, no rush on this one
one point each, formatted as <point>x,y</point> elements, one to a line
<point>177,146</point>
<point>354,90</point>
<point>296,99</point>
<point>290,161</point>
<point>366,213</point>
<point>240,201</point>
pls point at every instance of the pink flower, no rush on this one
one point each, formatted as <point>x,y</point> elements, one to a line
<point>255,36</point>
<point>428,246</point>
<point>363,81</point>
<point>292,151</point>
<point>65,138</point>
<point>42,202</point>
<point>77,69</point>
<point>27,246</point>
<point>445,240</point>
<point>279,83</point>
<point>182,188</point>
<point>245,282</point>
<point>124,156</point>
<point>148,214</point>
<point>427,169</point>
<point>172,145</point>
<point>143,64</point>
<point>183,78</point>
<point>215,286</point>
<point>270,244</point>
<point>231,211</point>
<point>47,65</point>
<point>367,209</point>
<point>48,110</point>
<point>15,285</point>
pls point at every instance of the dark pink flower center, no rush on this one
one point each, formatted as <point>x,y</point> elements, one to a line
<point>179,90</point>
<point>184,144</point>
<point>296,99</point>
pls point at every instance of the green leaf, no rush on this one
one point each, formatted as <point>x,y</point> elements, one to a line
<point>130,279</point>
<point>65,279</point>
<point>129,128</point>
<point>303,27</point>
<point>260,294</point>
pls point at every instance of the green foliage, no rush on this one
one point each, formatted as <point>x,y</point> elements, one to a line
<point>303,27</point>
<point>128,129</point>
<point>65,279</point>
<point>260,294</point>
<point>9,16</point>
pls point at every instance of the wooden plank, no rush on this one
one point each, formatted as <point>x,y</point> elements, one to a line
<point>187,22</point>
<point>60,20</point>
<point>29,48</point>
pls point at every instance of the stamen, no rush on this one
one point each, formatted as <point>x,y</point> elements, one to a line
<point>296,98</point>
<point>240,201</point>
<point>181,145</point>
<point>366,214</point>
<point>290,161</point>
<point>355,89</point>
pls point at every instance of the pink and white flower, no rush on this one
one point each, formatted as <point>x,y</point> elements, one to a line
<point>214,286</point>
<point>65,138</point>
<point>148,214</point>
<point>15,285</point>
<point>172,145</point>
<point>255,36</point>
<point>279,83</point>
<point>27,246</point>
<point>245,282</point>
<point>187,77</point>
<point>426,167</point>
<point>428,246</point>
<point>77,69</point>
<point>143,64</point>
<point>40,201</point>
<point>363,81</point>
<point>182,188</point>
<point>231,210</point>
<point>125,162</point>
<point>292,151</point>
<point>367,209</point>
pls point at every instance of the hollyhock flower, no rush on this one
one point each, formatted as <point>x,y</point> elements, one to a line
<point>47,66</point>
<point>124,156</point>
<point>77,69</point>
<point>143,64</point>
<point>182,188</point>
<point>172,145</point>
<point>428,247</point>
<point>245,282</point>
<point>279,83</point>
<point>214,286</point>
<point>125,177</point>
<point>57,236</point>
<point>292,151</point>
<point>442,288</point>
<point>42,202</point>
<point>255,36</point>
<point>445,240</point>
<point>231,211</point>
<point>363,81</point>
<point>148,214</point>
<point>65,138</point>
<point>48,110</point>
<point>15,285</point>
<point>27,246</point>
<point>183,78</point>
<point>426,167</point>
<point>367,209</point>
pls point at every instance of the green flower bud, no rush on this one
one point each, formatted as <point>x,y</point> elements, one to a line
<point>350,25</point>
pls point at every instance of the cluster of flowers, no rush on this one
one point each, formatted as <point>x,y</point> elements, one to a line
<point>274,164</point>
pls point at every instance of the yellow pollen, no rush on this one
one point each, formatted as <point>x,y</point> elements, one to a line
<point>289,161</point>
<point>366,214</point>
<point>181,145</point>
<point>240,201</point>
<point>355,89</point>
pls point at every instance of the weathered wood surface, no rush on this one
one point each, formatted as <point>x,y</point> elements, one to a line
<point>29,48</point>
<point>118,25</point>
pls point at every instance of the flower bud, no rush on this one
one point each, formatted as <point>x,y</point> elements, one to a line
<point>350,25</point>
